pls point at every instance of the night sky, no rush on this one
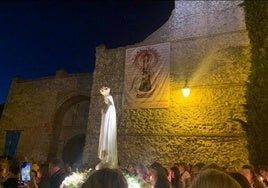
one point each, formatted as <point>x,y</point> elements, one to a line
<point>37,37</point>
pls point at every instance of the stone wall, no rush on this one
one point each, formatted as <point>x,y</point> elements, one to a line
<point>209,48</point>
<point>40,108</point>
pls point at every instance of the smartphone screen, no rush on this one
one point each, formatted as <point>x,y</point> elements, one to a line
<point>25,170</point>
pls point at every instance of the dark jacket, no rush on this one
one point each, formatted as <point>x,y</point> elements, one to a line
<point>57,178</point>
<point>44,182</point>
<point>11,183</point>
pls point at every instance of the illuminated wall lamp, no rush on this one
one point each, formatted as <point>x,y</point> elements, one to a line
<point>186,90</point>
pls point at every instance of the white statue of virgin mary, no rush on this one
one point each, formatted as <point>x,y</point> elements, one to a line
<point>107,151</point>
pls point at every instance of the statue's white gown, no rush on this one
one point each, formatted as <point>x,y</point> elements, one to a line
<point>107,150</point>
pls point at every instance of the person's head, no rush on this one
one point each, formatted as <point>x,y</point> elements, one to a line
<point>14,167</point>
<point>242,180</point>
<point>263,171</point>
<point>248,172</point>
<point>33,173</point>
<point>182,167</point>
<point>105,91</point>
<point>196,169</point>
<point>55,165</point>
<point>3,170</point>
<point>158,175</point>
<point>106,178</point>
<point>153,169</point>
<point>214,178</point>
<point>131,168</point>
<point>175,177</point>
<point>42,171</point>
<point>141,170</point>
<point>156,165</point>
<point>175,173</point>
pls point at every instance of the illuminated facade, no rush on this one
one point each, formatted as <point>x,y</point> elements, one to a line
<point>209,47</point>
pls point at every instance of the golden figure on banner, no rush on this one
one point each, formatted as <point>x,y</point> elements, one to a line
<point>145,61</point>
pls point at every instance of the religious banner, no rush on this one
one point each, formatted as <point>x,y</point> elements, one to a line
<point>12,140</point>
<point>146,83</point>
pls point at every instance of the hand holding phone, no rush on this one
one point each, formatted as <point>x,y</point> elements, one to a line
<point>25,171</point>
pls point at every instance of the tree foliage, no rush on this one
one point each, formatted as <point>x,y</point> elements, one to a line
<point>256,17</point>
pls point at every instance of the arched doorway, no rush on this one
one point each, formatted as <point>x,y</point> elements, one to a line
<point>73,151</point>
<point>70,120</point>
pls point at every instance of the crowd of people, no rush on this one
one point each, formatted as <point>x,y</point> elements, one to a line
<point>48,175</point>
<point>177,175</point>
<point>200,175</point>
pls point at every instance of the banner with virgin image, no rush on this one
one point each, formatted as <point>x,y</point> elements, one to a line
<point>146,83</point>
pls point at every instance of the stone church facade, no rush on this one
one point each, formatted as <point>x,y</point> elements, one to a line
<point>52,114</point>
<point>209,47</point>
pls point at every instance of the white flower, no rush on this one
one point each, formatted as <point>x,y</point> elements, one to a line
<point>76,179</point>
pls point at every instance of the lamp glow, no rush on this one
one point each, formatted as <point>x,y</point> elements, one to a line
<point>186,90</point>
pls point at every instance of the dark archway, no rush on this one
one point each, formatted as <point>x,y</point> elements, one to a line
<point>73,151</point>
<point>57,127</point>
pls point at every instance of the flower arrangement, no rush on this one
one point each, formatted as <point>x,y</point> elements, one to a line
<point>135,181</point>
<point>76,180</point>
